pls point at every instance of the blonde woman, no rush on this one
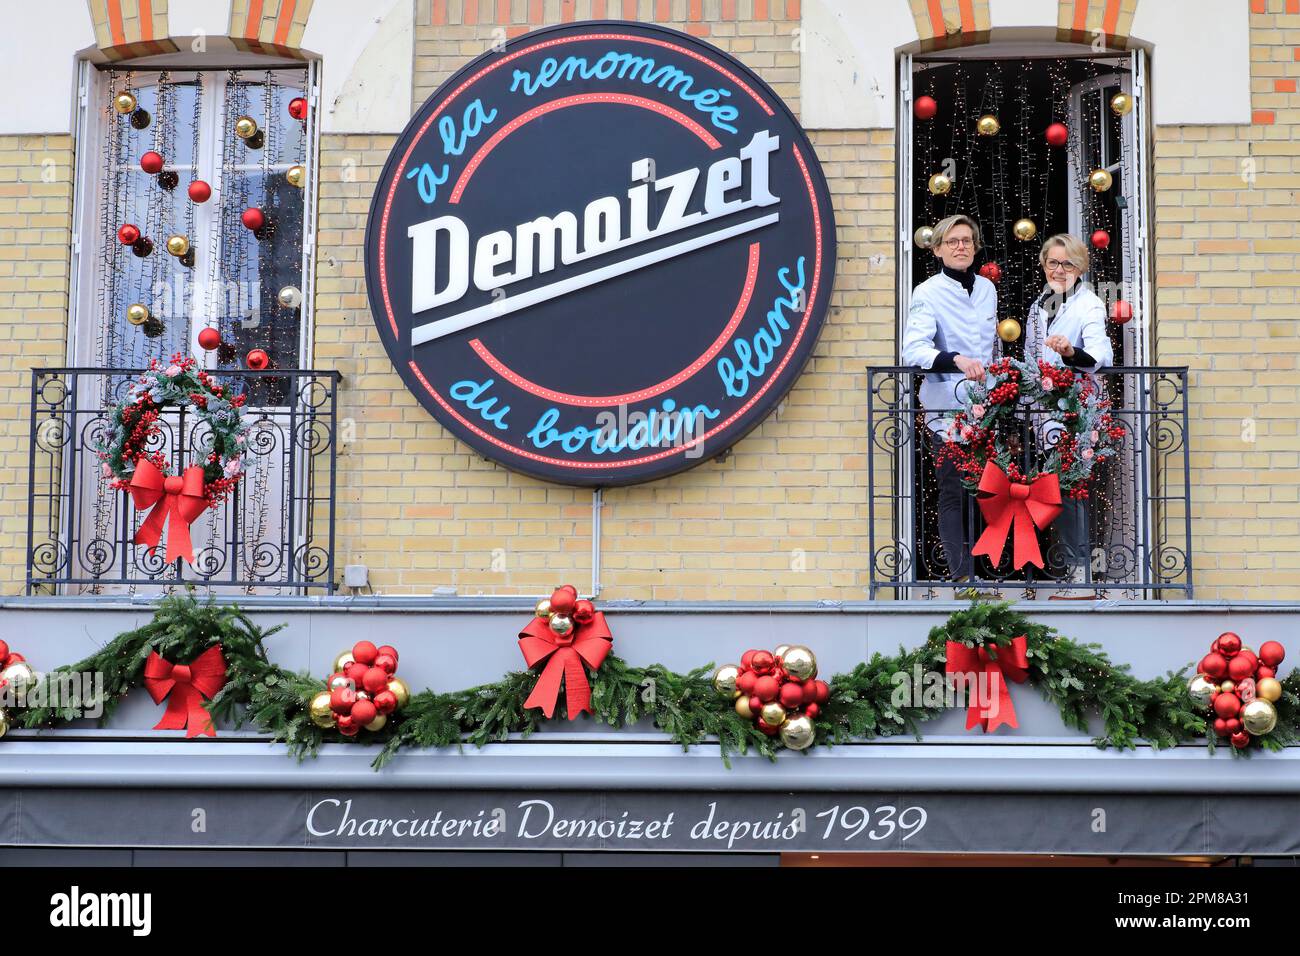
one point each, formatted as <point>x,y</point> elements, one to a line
<point>1067,326</point>
<point>950,332</point>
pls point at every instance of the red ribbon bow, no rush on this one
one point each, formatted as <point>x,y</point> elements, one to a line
<point>179,497</point>
<point>188,685</point>
<point>1011,663</point>
<point>586,642</point>
<point>1012,506</point>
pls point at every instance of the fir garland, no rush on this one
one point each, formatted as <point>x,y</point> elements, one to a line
<point>1078,678</point>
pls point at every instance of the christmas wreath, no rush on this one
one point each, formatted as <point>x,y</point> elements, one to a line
<point>1075,429</point>
<point>131,464</point>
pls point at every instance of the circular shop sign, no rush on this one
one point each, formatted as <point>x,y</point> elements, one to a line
<point>602,253</point>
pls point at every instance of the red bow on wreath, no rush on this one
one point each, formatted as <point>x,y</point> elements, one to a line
<point>588,642</point>
<point>1012,663</point>
<point>1013,507</point>
<point>188,685</point>
<point>179,497</point>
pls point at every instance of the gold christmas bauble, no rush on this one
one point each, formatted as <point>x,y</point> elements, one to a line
<point>178,245</point>
<point>290,297</point>
<point>988,125</point>
<point>924,237</point>
<point>296,176</point>
<point>1269,689</point>
<point>399,690</point>
<point>1258,717</point>
<point>742,707</point>
<point>773,714</point>
<point>137,314</point>
<point>1100,180</point>
<point>724,679</point>
<point>4,721</point>
<point>1228,686</point>
<point>1008,330</point>
<point>321,715</point>
<point>245,127</point>
<point>377,723</point>
<point>340,680</point>
<point>1201,689</point>
<point>342,661</point>
<point>940,184</point>
<point>561,624</point>
<point>19,676</point>
<point>799,662</point>
<point>1024,229</point>
<point>125,103</point>
<point>543,609</point>
<point>1121,104</point>
<point>798,733</point>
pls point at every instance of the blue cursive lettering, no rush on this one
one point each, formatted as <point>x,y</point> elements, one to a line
<point>471,393</point>
<point>754,356</point>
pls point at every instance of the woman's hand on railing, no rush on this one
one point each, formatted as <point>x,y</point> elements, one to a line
<point>973,369</point>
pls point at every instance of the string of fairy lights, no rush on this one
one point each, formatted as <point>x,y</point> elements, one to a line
<point>1011,155</point>
<point>172,269</point>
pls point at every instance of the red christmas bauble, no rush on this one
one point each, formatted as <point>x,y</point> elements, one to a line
<point>1241,740</point>
<point>766,688</point>
<point>1057,134</point>
<point>363,712</point>
<point>298,108</point>
<point>151,162</point>
<point>1121,312</point>
<point>584,612</point>
<point>348,727</point>
<point>768,728</point>
<point>747,659</point>
<point>755,703</point>
<point>375,680</point>
<point>812,710</point>
<point>385,702</point>
<point>128,233</point>
<point>1213,665</point>
<point>745,682</point>
<point>1232,725</point>
<point>356,672</point>
<point>4,652</point>
<point>365,652</point>
<point>925,107</point>
<point>386,663</point>
<point>257,359</point>
<point>1101,238</point>
<point>389,650</point>
<point>200,191</point>
<point>1271,653</point>
<point>991,271</point>
<point>1242,666</point>
<point>1220,727</point>
<point>1263,670</point>
<point>763,662</point>
<point>1229,643</point>
<point>791,695</point>
<point>823,692</point>
<point>562,602</point>
<point>1227,705</point>
<point>209,338</point>
<point>253,218</point>
<point>342,699</point>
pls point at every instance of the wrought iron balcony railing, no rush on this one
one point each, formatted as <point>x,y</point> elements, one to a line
<point>274,534</point>
<point>1138,517</point>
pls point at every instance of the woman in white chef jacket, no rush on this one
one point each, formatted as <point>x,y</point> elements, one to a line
<point>1067,326</point>
<point>951,332</point>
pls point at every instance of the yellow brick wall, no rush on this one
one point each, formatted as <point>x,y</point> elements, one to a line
<point>1226,256</point>
<point>35,233</point>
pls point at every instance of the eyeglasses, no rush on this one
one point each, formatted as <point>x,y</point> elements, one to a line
<point>1055,265</point>
<point>958,243</point>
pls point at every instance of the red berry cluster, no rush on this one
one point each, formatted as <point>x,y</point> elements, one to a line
<point>763,680</point>
<point>1241,677</point>
<point>365,690</point>
<point>1060,376</point>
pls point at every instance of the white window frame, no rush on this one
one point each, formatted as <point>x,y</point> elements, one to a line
<point>90,181</point>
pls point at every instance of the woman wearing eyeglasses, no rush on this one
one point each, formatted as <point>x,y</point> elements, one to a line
<point>950,332</point>
<point>1067,326</point>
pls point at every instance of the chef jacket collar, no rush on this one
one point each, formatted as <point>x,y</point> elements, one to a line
<point>965,276</point>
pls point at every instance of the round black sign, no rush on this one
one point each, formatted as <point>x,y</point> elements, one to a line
<point>602,253</point>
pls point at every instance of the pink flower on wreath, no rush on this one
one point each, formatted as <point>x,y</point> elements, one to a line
<point>977,411</point>
<point>1094,434</point>
<point>234,467</point>
<point>107,471</point>
<point>172,371</point>
<point>1048,384</point>
<point>1087,453</point>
